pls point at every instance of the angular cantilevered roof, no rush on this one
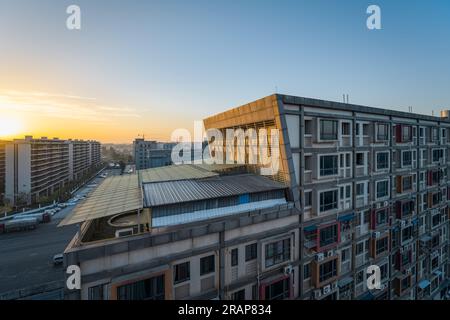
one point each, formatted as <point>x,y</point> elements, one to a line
<point>170,192</point>
<point>114,195</point>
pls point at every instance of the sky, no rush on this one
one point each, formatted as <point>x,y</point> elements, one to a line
<point>149,67</point>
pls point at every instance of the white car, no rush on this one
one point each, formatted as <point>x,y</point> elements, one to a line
<point>58,259</point>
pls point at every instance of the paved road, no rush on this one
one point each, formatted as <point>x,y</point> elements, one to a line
<point>26,257</point>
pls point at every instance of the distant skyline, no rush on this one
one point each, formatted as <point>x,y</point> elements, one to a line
<point>149,67</point>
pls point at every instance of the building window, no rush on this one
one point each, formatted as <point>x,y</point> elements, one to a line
<point>360,189</point>
<point>234,257</point>
<point>345,255</point>
<point>238,295</point>
<point>406,133</point>
<point>251,252</point>
<point>328,200</point>
<point>345,128</point>
<point>365,129</point>
<point>359,248</point>
<point>382,132</point>
<point>207,265</point>
<point>406,158</point>
<point>255,292</point>
<point>278,290</point>
<point>407,233</point>
<point>360,277</point>
<point>407,183</point>
<point>435,134</point>
<point>95,293</point>
<point>308,199</point>
<point>381,217</point>
<point>436,220</point>
<point>308,127</point>
<point>438,154</point>
<point>382,189</point>
<point>382,160</point>
<point>434,263</point>
<point>328,235</point>
<point>328,129</point>
<point>407,208</point>
<point>360,159</point>
<point>384,270</point>
<point>181,272</point>
<point>328,165</point>
<point>278,252</point>
<point>149,289</point>
<point>405,283</point>
<point>306,271</point>
<point>327,270</point>
<point>382,245</point>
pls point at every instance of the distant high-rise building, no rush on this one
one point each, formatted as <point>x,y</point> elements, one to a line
<point>37,168</point>
<point>82,155</point>
<point>151,154</point>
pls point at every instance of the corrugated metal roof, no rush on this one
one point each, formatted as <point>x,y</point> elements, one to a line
<point>169,192</point>
<point>174,172</point>
<point>114,195</point>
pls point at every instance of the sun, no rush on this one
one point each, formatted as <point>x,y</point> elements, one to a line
<point>9,127</point>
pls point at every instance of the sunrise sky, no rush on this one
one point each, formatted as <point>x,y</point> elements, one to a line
<point>149,67</point>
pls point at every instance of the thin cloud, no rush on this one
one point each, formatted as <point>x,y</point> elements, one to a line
<point>63,106</point>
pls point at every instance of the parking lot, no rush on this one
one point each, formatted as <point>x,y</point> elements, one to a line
<point>27,257</point>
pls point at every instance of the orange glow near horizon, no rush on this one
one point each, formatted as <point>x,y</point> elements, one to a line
<point>42,114</point>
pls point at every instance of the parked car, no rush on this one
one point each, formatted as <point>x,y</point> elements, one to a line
<point>58,259</point>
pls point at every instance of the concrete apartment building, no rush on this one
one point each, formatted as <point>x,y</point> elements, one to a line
<point>82,156</point>
<point>151,154</point>
<point>357,186</point>
<point>37,168</point>
<point>372,185</point>
<point>2,169</point>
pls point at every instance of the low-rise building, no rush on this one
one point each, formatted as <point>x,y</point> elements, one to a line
<point>151,154</point>
<point>183,232</point>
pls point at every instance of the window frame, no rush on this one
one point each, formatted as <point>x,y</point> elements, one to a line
<point>331,136</point>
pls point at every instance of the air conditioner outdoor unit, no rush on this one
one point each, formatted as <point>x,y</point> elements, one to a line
<point>326,289</point>
<point>376,234</point>
<point>124,232</point>
<point>330,253</point>
<point>320,256</point>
